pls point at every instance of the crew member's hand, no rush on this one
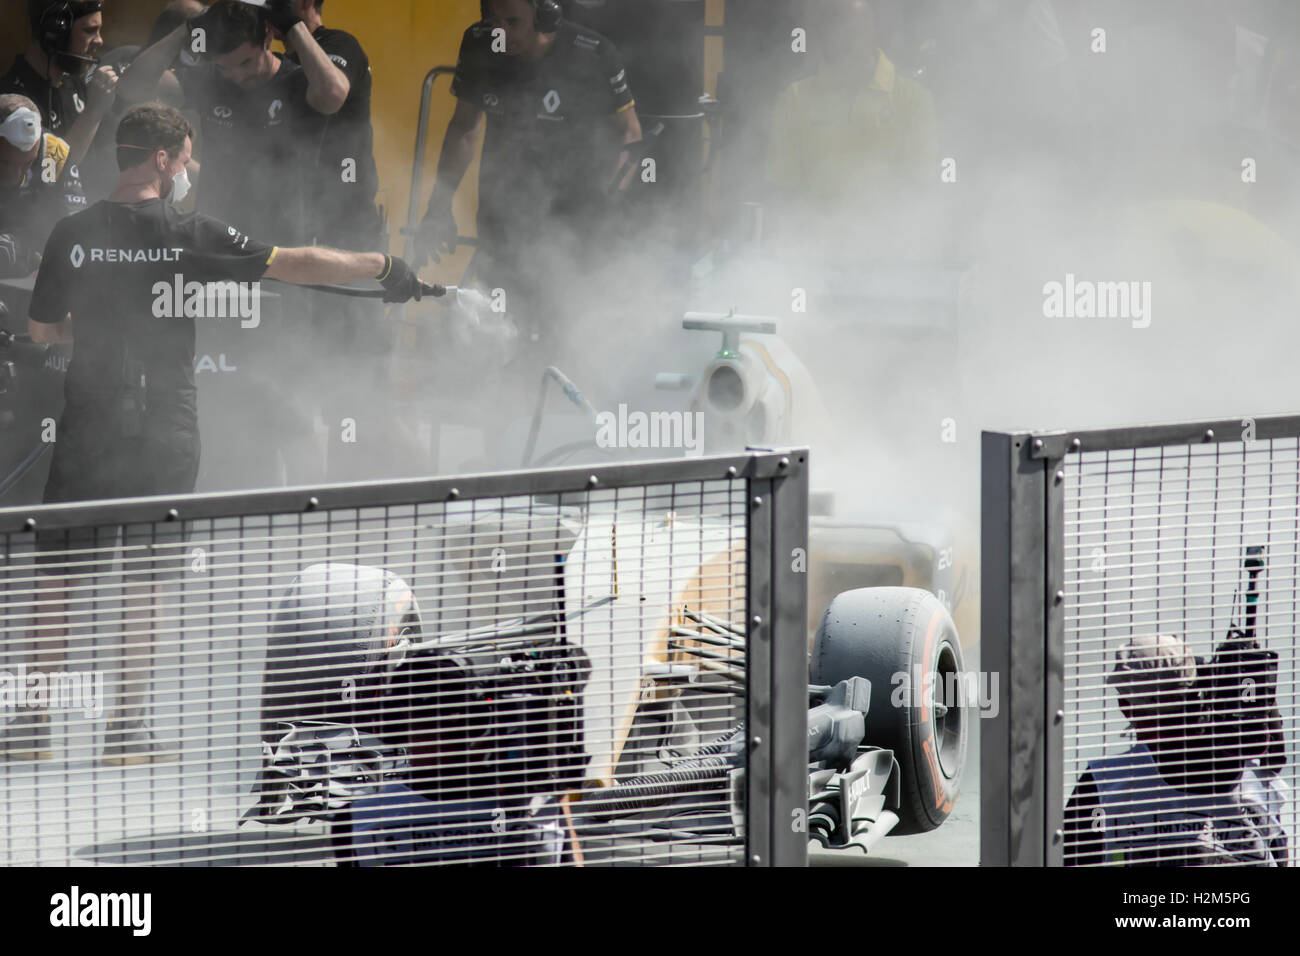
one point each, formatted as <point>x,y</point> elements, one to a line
<point>399,280</point>
<point>102,90</point>
<point>283,14</point>
<point>437,236</point>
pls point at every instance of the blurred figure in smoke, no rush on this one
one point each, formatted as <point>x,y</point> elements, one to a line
<point>847,139</point>
<point>58,70</point>
<point>30,204</point>
<point>343,182</point>
<point>1185,794</point>
<point>561,129</point>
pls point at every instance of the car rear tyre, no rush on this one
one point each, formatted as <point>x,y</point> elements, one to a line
<point>904,642</point>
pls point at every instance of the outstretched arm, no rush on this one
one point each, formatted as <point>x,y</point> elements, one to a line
<point>312,265</point>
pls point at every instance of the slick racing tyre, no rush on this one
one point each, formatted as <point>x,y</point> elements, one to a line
<point>904,642</point>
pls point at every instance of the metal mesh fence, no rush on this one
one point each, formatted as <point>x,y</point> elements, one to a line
<point>503,680</point>
<point>1180,580</point>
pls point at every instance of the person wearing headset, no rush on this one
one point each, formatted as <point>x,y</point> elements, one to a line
<point>561,124</point>
<point>59,71</point>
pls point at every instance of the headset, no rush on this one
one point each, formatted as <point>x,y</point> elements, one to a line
<point>52,26</point>
<point>546,14</point>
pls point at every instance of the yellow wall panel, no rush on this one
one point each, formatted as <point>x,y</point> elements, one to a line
<point>404,42</point>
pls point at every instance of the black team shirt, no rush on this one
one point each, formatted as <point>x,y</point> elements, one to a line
<point>102,265</point>
<point>551,143</point>
<point>342,207</point>
<point>250,148</point>
<point>59,106</point>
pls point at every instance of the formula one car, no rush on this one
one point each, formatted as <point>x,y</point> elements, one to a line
<point>588,703</point>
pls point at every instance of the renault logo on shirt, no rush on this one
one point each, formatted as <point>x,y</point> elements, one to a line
<point>551,101</point>
<point>273,110</point>
<point>78,255</point>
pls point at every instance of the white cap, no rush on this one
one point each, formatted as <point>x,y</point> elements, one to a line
<point>1152,671</point>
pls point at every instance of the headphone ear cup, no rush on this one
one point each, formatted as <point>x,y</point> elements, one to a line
<point>546,16</point>
<point>55,27</point>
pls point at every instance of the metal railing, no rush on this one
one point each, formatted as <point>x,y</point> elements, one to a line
<point>1140,600</point>
<point>559,667</point>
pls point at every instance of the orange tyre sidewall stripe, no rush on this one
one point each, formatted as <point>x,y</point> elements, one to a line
<point>941,800</point>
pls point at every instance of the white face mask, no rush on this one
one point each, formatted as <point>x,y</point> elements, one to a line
<point>22,128</point>
<point>180,187</point>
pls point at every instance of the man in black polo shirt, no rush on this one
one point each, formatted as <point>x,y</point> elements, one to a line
<point>258,112</point>
<point>260,117</point>
<point>129,425</point>
<point>57,71</point>
<point>560,121</point>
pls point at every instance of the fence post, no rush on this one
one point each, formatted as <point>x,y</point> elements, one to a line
<point>1013,627</point>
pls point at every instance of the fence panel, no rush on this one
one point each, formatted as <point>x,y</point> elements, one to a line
<point>1155,606</point>
<point>541,668</point>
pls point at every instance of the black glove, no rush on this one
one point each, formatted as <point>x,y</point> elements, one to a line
<point>437,235</point>
<point>399,280</point>
<point>283,14</point>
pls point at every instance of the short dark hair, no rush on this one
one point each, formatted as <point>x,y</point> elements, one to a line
<point>148,127</point>
<point>232,23</point>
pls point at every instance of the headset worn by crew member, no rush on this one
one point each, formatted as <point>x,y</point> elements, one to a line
<point>129,425</point>
<point>560,121</point>
<point>38,185</point>
<point>59,72</point>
